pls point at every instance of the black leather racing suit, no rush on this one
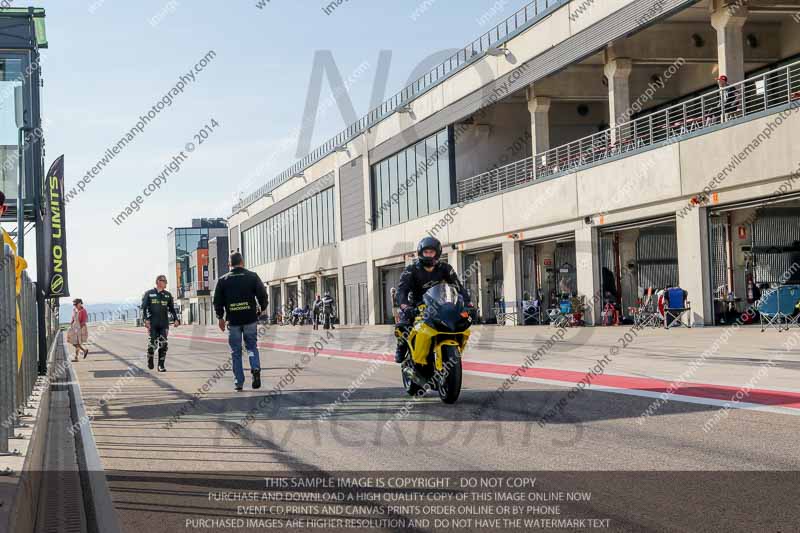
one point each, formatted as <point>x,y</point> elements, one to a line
<point>414,282</point>
<point>158,307</point>
<point>328,311</point>
<point>316,312</point>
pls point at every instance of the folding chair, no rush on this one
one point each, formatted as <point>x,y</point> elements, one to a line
<point>777,307</point>
<point>645,316</point>
<point>531,313</point>
<point>562,316</point>
<point>675,306</point>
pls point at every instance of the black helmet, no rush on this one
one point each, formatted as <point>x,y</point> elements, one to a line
<point>431,243</point>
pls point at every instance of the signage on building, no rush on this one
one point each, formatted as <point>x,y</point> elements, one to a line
<point>55,233</point>
<point>548,261</point>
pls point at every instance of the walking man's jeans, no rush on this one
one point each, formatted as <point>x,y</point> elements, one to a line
<point>250,335</point>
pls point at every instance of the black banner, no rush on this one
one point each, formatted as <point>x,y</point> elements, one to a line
<point>55,233</point>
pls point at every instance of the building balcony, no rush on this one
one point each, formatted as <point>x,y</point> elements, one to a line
<point>757,96</point>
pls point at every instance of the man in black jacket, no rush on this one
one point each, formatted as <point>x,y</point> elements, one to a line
<point>240,298</point>
<point>157,308</point>
<point>415,280</point>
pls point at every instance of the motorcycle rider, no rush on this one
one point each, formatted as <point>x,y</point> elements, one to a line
<point>157,306</point>
<point>425,272</point>
<point>316,311</point>
<point>328,309</point>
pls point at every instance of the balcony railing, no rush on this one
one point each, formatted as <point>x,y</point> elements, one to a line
<point>754,95</point>
<point>493,38</point>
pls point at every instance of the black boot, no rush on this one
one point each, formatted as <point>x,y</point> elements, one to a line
<point>256,379</point>
<point>400,353</point>
<point>150,364</point>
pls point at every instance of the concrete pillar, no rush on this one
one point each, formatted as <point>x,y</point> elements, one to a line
<point>318,279</point>
<point>587,266</point>
<point>373,294</point>
<point>693,264</point>
<point>300,294</point>
<point>484,286</point>
<point>730,42</point>
<point>512,277</point>
<point>539,107</point>
<point>283,298</point>
<point>456,260</point>
<point>618,72</point>
<point>340,299</point>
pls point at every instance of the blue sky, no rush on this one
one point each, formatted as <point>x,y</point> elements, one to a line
<point>105,69</point>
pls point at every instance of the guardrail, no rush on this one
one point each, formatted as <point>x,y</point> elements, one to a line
<point>498,35</point>
<point>17,377</point>
<point>772,89</point>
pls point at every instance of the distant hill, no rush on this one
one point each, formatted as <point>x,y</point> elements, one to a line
<point>65,310</point>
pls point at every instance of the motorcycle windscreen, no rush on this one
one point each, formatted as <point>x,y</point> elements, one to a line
<point>443,305</point>
<point>441,294</point>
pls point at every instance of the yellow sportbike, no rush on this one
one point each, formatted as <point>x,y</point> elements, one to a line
<point>435,344</point>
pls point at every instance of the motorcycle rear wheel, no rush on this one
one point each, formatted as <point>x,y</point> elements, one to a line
<point>450,385</point>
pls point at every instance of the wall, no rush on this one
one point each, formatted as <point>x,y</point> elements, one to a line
<point>500,136</point>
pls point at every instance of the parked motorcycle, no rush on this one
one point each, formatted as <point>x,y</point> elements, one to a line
<point>300,316</point>
<point>436,342</point>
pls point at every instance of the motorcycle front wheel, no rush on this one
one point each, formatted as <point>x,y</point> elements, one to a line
<point>450,381</point>
<point>410,387</point>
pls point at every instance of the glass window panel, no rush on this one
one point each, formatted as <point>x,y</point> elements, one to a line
<point>327,219</point>
<point>257,245</point>
<point>393,188</point>
<point>302,238</point>
<point>444,169</point>
<point>283,234</point>
<point>274,236</point>
<point>288,232</point>
<point>433,173</point>
<point>402,175</point>
<point>269,240</point>
<point>307,215</point>
<point>263,241</point>
<point>256,259</point>
<point>323,200</point>
<point>277,236</point>
<point>294,231</point>
<point>299,229</point>
<point>286,252</point>
<point>272,239</point>
<point>315,225</point>
<point>320,226</point>
<point>332,226</point>
<point>286,242</point>
<point>422,180</point>
<point>376,186</point>
<point>411,193</point>
<point>387,201</point>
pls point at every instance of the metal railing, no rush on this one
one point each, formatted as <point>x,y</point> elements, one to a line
<point>772,89</point>
<point>17,378</point>
<point>128,315</point>
<point>495,37</point>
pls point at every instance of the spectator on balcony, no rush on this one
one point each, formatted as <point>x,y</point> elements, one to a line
<point>729,98</point>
